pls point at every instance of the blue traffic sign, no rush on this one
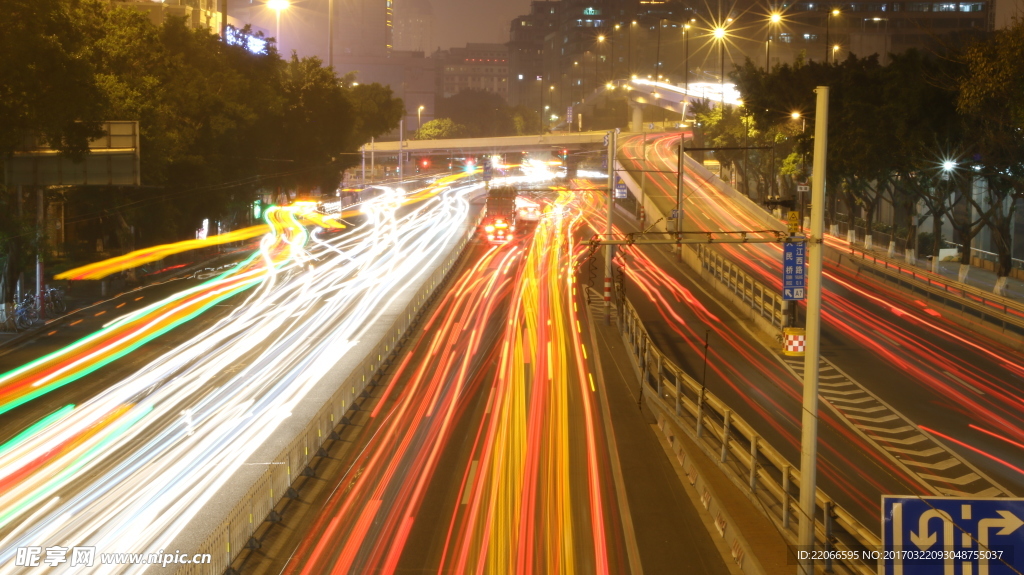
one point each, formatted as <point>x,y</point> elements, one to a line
<point>488,170</point>
<point>621,190</point>
<point>794,277</point>
<point>943,535</point>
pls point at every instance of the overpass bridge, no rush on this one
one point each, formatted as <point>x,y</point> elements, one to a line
<point>541,143</point>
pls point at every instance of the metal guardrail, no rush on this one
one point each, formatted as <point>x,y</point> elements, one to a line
<point>258,504</point>
<point>767,478</point>
<point>762,299</point>
<point>1005,312</point>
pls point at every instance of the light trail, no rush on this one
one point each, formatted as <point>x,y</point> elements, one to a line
<point>134,464</point>
<point>913,339</point>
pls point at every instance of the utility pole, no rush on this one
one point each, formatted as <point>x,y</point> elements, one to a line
<point>41,223</point>
<point>373,160</point>
<point>679,197</point>
<point>401,147</point>
<point>612,142</point>
<point>812,347</point>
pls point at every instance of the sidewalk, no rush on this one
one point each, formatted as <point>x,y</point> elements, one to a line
<point>980,278</point>
<point>675,531</point>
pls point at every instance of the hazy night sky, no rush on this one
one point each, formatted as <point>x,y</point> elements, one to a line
<point>457,22</point>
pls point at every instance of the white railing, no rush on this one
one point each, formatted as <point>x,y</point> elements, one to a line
<point>751,463</point>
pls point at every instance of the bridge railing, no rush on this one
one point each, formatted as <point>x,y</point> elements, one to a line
<point>752,464</point>
<point>237,531</point>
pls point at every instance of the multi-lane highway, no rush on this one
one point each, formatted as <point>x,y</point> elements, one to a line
<point>898,368</point>
<point>125,469</point>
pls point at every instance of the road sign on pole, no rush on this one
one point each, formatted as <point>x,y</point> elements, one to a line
<point>793,271</point>
<point>488,170</point>
<point>794,223</point>
<point>621,190</point>
<point>941,535</point>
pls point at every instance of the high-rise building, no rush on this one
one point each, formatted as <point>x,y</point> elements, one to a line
<point>363,28</point>
<point>414,25</point>
<point>475,67</point>
<point>526,86</point>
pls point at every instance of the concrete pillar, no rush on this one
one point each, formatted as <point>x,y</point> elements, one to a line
<point>637,125</point>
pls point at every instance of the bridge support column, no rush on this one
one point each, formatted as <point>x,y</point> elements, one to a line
<point>637,123</point>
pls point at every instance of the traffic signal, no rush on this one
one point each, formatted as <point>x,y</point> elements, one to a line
<point>425,163</point>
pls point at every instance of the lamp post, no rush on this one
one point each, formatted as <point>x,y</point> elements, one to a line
<point>629,56</point>
<point>828,20</point>
<point>419,117</point>
<point>686,35</point>
<point>719,34</point>
<point>775,18</point>
<point>277,6</point>
<point>657,53</point>
<point>834,50</point>
<point>617,27</point>
<point>597,57</point>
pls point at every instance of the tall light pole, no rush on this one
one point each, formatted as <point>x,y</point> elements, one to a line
<point>277,6</point>
<point>629,57</point>
<point>419,117</point>
<point>828,20</point>
<point>657,53</point>
<point>617,27</point>
<point>686,35</point>
<point>809,418</point>
<point>719,34</point>
<point>834,50</point>
<point>597,56</point>
<point>775,18</point>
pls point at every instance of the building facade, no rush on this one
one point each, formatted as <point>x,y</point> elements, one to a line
<point>475,67</point>
<point>526,84</point>
<point>817,31</point>
<point>414,26</point>
<point>197,13</point>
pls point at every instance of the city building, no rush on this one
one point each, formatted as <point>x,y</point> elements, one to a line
<point>197,13</point>
<point>475,67</point>
<point>414,26</point>
<point>818,30</point>
<point>363,28</point>
<point>526,54</point>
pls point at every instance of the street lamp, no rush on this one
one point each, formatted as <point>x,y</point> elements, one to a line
<point>277,6</point>
<point>828,19</point>
<point>719,34</point>
<point>803,120</point>
<point>629,57</point>
<point>597,57</point>
<point>419,117</point>
<point>775,18</point>
<point>686,35</point>
<point>834,50</point>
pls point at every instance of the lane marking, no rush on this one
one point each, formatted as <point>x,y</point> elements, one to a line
<point>100,313</point>
<point>964,383</point>
<point>76,322</point>
<point>469,481</point>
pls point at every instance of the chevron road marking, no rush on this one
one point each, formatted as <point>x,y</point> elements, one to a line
<point>881,425</point>
<point>882,419</point>
<point>940,466</point>
<point>964,480</point>
<point>848,400</point>
<point>874,409</point>
<point>902,429</point>
<point>918,452</point>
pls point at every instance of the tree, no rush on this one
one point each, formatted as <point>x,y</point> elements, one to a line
<point>47,86</point>
<point>440,129</point>
<point>989,97</point>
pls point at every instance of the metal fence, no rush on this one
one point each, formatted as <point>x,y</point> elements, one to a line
<point>767,478</point>
<point>257,505</point>
<point>761,299</point>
